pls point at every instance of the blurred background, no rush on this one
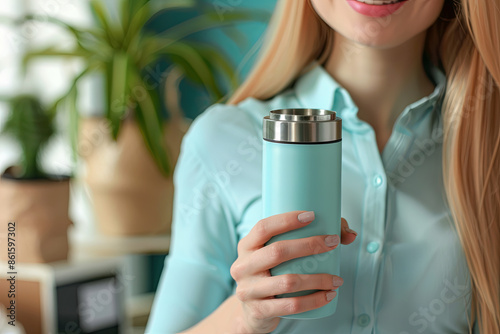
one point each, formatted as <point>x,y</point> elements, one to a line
<point>95,97</point>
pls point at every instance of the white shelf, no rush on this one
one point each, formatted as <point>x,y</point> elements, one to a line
<point>97,245</point>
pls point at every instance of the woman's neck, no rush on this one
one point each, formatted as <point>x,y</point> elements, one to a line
<point>382,82</point>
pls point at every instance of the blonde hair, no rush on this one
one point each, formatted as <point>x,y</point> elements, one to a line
<point>467,45</point>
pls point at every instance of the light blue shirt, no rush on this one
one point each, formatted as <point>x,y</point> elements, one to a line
<point>406,271</point>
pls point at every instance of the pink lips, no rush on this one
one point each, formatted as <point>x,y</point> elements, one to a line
<point>375,10</point>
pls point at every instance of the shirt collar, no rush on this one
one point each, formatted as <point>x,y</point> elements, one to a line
<point>318,89</point>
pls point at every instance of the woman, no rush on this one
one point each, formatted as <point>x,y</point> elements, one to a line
<point>416,84</point>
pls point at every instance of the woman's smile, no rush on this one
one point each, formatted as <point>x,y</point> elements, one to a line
<point>376,8</point>
<point>379,2</point>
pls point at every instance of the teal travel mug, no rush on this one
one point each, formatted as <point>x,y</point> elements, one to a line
<point>302,161</point>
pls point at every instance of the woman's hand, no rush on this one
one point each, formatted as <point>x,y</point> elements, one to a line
<point>256,287</point>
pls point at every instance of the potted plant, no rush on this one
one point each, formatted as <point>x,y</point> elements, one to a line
<point>128,161</point>
<point>33,204</point>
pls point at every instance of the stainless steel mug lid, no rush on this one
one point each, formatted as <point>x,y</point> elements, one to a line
<point>302,126</point>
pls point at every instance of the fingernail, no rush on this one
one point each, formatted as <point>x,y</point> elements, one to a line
<point>330,295</point>
<point>332,240</point>
<point>337,281</point>
<point>348,230</point>
<point>306,217</point>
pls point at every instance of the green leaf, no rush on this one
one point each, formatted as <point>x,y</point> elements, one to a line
<point>52,52</point>
<point>237,36</point>
<point>149,120</point>
<point>146,12</point>
<point>73,122</point>
<point>119,91</point>
<point>77,32</point>
<point>90,41</point>
<point>128,9</point>
<point>70,98</point>
<point>211,20</point>
<point>96,46</point>
<point>143,49</point>
<point>91,67</point>
<point>200,62</point>
<point>220,63</point>
<point>194,66</point>
<point>161,5</point>
<point>137,22</point>
<point>113,33</point>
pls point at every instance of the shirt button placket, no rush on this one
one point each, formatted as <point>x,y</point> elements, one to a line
<point>372,234</point>
<point>378,181</point>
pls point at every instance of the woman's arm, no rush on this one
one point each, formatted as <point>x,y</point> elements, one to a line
<point>196,278</point>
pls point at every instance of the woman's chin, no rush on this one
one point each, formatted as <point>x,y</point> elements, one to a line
<point>381,40</point>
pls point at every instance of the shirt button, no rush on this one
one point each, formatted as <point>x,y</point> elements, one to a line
<point>372,247</point>
<point>377,180</point>
<point>364,320</point>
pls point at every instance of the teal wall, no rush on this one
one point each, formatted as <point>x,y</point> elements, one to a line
<point>253,31</point>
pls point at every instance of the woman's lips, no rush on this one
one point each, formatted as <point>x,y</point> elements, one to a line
<point>376,8</point>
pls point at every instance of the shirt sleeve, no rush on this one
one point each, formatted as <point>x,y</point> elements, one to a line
<point>196,278</point>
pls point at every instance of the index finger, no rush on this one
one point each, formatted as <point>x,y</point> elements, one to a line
<point>268,227</point>
<point>348,235</point>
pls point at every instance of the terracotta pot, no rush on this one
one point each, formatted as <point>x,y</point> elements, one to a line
<point>39,209</point>
<point>129,194</point>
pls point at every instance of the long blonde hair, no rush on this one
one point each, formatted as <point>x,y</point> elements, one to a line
<point>467,46</point>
